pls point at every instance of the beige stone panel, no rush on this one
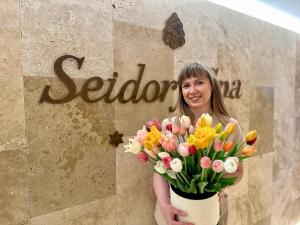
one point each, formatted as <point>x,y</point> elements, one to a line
<point>13,188</point>
<point>295,180</point>
<point>136,198</point>
<point>54,28</point>
<point>281,198</point>
<point>284,144</point>
<point>134,45</point>
<point>297,102</point>
<point>297,77</point>
<point>146,13</point>
<point>261,117</point>
<point>12,121</point>
<point>264,221</point>
<point>238,211</point>
<point>260,184</point>
<point>233,62</point>
<point>102,211</point>
<point>284,78</point>
<point>234,44</point>
<point>70,159</point>
<point>293,211</point>
<point>200,24</point>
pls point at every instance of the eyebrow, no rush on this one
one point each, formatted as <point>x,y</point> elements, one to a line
<point>200,78</point>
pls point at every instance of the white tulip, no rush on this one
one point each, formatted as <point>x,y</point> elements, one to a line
<point>159,167</point>
<point>185,121</point>
<point>163,155</point>
<point>171,174</point>
<point>176,165</point>
<point>133,147</point>
<point>231,164</point>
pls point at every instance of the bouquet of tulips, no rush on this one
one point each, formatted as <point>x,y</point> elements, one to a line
<point>192,159</point>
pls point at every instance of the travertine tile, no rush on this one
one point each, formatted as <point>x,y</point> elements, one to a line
<point>284,144</point>
<point>134,45</point>
<point>200,23</point>
<point>260,184</point>
<point>293,212</point>
<point>146,13</point>
<point>297,75</point>
<point>136,198</point>
<point>281,197</point>
<point>55,28</point>
<point>261,116</point>
<point>14,188</point>
<point>295,179</point>
<point>238,211</point>
<point>12,121</point>
<point>264,221</point>
<point>101,211</point>
<point>70,160</point>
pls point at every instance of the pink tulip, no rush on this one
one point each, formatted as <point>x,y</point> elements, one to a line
<point>205,162</point>
<point>218,166</point>
<point>142,156</point>
<point>218,145</point>
<point>182,130</point>
<point>168,142</point>
<point>154,122</point>
<point>166,161</point>
<point>175,129</point>
<point>155,150</point>
<point>183,149</point>
<point>191,129</point>
<point>141,135</point>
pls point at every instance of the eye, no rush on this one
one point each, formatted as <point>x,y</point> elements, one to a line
<point>199,82</point>
<point>184,86</point>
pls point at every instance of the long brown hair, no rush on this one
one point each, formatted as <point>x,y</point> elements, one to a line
<point>216,100</point>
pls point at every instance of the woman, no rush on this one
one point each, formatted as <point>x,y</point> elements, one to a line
<point>199,93</point>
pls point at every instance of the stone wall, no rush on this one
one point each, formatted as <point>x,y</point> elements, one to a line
<point>56,164</point>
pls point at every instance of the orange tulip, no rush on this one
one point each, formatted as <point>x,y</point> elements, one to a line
<point>251,137</point>
<point>228,146</point>
<point>248,150</point>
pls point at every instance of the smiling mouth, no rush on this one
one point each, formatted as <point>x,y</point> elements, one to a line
<point>195,98</point>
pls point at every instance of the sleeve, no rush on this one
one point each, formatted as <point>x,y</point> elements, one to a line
<point>238,134</point>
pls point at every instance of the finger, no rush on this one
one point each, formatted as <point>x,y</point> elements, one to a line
<point>178,212</point>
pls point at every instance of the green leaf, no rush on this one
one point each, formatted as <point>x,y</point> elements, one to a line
<point>227,181</point>
<point>233,151</point>
<point>190,165</point>
<point>202,186</point>
<point>193,186</point>
<point>241,158</point>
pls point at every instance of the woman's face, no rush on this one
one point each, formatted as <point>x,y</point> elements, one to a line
<point>196,92</point>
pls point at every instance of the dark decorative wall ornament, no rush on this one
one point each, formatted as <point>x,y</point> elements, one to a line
<point>173,33</point>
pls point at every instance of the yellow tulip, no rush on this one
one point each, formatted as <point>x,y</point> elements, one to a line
<point>152,138</point>
<point>251,137</point>
<point>204,136</point>
<point>231,128</point>
<point>219,128</point>
<point>223,135</point>
<point>205,120</point>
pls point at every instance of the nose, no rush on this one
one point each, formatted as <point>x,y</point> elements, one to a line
<point>193,88</point>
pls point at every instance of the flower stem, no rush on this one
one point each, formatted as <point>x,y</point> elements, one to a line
<point>184,178</point>
<point>213,177</point>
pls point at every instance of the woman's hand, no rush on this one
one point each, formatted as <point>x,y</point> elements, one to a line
<point>170,213</point>
<point>222,195</point>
